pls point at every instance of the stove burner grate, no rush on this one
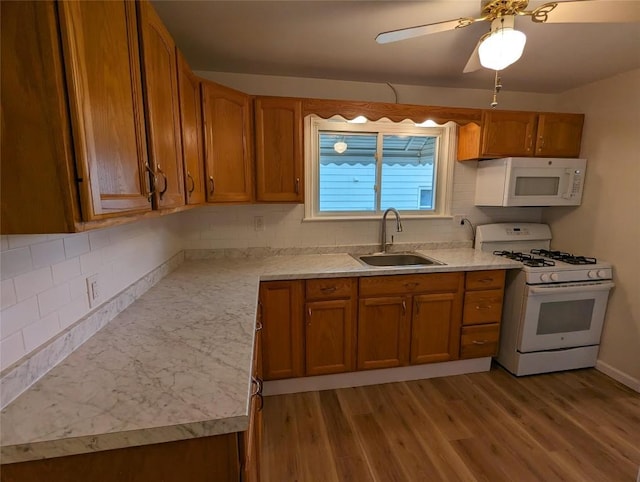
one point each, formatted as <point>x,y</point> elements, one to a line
<point>525,258</point>
<point>564,257</point>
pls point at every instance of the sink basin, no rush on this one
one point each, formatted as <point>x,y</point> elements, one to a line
<point>396,259</point>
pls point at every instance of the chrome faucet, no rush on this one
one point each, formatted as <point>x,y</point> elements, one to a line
<point>383,230</point>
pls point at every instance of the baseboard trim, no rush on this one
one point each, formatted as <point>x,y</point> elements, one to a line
<point>376,377</point>
<point>618,375</point>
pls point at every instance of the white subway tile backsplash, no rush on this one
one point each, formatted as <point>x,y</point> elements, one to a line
<point>53,299</point>
<point>76,245</point>
<point>34,282</point>
<point>65,271</point>
<point>99,239</point>
<point>46,254</point>
<point>91,262</point>
<point>14,262</point>
<point>78,288</point>
<point>21,240</point>
<point>8,294</point>
<point>12,349</point>
<point>73,311</point>
<point>39,332</point>
<point>18,316</point>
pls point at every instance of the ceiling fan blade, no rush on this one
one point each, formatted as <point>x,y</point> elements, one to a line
<point>589,11</point>
<point>473,63</point>
<point>411,32</point>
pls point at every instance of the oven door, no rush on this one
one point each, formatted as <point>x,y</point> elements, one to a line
<point>565,315</point>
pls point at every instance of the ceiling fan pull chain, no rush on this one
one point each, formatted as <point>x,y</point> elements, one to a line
<point>496,88</point>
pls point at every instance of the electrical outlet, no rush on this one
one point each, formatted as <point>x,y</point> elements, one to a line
<point>258,223</point>
<point>458,219</point>
<point>93,289</point>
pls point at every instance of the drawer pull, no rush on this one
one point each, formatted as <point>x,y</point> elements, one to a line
<point>480,342</point>
<point>485,307</point>
<point>328,289</point>
<point>258,325</point>
<point>411,285</point>
<point>404,307</point>
<point>309,317</point>
<point>485,280</point>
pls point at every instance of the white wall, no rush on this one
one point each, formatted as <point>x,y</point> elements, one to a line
<point>44,286</point>
<point>607,224</point>
<point>380,92</point>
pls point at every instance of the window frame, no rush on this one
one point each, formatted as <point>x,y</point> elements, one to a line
<point>443,176</point>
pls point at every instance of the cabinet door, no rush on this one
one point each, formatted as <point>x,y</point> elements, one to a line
<point>227,124</point>
<point>383,332</point>
<point>281,303</point>
<point>192,133</point>
<point>162,108</point>
<point>102,63</point>
<point>435,327</point>
<point>559,135</point>
<point>330,337</point>
<point>506,133</point>
<point>37,166</point>
<point>279,155</point>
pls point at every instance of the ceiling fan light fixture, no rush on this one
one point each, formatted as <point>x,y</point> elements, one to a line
<point>340,147</point>
<point>503,46</point>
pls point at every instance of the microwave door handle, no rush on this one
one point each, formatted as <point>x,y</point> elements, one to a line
<point>572,288</point>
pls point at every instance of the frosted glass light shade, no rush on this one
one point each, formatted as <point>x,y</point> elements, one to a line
<point>502,48</point>
<point>340,147</point>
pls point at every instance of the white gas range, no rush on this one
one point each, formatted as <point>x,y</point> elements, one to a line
<point>554,306</point>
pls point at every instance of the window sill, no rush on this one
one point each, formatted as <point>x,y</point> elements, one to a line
<point>375,217</point>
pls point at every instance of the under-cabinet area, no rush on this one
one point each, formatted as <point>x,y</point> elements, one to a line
<point>337,325</point>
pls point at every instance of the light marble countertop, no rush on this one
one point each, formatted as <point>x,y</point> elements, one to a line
<point>175,364</point>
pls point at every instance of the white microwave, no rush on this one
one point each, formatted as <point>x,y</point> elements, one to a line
<point>527,181</point>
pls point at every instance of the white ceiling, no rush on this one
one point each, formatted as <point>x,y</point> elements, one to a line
<point>335,40</point>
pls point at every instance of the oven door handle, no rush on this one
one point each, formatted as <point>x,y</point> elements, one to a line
<point>570,288</point>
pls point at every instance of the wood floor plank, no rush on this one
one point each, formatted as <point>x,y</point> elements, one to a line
<point>345,447</point>
<point>571,426</point>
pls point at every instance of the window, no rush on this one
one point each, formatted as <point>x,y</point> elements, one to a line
<point>360,170</point>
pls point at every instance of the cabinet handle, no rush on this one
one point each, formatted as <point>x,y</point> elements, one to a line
<point>404,307</point>
<point>193,183</point>
<point>257,386</point>
<point>485,280</point>
<point>166,182</point>
<point>530,142</point>
<point>309,317</point>
<point>297,185</point>
<point>480,342</point>
<point>411,285</point>
<point>258,326</point>
<point>328,289</point>
<point>483,307</point>
<point>154,183</point>
<point>541,143</point>
<point>212,184</point>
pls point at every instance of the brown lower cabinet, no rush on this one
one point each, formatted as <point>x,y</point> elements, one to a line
<point>206,459</point>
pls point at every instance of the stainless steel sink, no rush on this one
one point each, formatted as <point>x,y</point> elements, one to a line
<point>396,259</point>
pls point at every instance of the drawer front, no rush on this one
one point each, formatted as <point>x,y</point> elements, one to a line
<point>330,288</point>
<point>485,280</point>
<point>479,341</point>
<point>407,284</point>
<point>482,307</point>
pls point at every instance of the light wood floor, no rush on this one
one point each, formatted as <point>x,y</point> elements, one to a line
<point>576,426</point>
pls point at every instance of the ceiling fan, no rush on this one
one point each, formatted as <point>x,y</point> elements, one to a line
<point>503,45</point>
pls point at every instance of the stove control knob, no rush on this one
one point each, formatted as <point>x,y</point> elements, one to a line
<point>544,277</point>
<point>554,276</point>
<point>592,274</point>
<point>602,273</point>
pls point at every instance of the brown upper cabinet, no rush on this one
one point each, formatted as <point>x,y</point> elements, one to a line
<point>227,133</point>
<point>74,148</point>
<point>192,132</point>
<point>278,149</point>
<point>90,104</point>
<point>521,134</point>
<point>162,108</point>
